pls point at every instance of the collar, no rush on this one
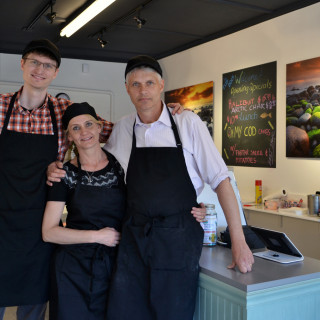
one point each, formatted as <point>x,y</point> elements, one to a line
<point>19,108</point>
<point>164,118</point>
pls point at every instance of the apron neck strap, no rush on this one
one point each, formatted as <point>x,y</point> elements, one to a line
<point>80,172</point>
<point>6,120</point>
<point>113,165</point>
<point>175,129</point>
<point>53,117</point>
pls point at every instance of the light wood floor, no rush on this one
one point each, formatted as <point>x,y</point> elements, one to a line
<point>10,314</point>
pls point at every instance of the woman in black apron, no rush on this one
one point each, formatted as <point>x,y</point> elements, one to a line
<point>94,193</point>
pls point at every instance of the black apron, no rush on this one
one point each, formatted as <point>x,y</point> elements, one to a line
<point>25,258</point>
<point>158,263</point>
<point>81,272</point>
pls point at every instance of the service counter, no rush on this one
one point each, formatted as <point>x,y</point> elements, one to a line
<point>271,291</point>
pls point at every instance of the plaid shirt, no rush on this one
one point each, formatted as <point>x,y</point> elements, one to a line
<point>38,120</point>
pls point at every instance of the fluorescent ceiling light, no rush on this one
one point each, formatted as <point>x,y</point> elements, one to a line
<point>94,9</point>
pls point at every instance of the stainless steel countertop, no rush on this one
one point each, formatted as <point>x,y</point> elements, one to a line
<point>265,274</point>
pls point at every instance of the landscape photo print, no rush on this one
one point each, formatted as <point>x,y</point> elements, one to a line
<point>303,109</point>
<point>198,98</point>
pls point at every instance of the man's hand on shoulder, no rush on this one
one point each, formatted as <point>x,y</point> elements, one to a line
<point>177,107</point>
<point>55,172</point>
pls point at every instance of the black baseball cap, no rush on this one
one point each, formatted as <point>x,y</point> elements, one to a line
<point>43,44</point>
<point>145,61</point>
<point>77,109</point>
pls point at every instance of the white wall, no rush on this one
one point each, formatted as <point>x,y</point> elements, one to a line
<point>103,77</point>
<point>286,39</point>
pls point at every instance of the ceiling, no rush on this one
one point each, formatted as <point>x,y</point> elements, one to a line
<point>171,25</point>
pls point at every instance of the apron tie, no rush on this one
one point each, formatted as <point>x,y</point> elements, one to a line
<point>151,223</point>
<point>101,252</point>
<point>147,223</point>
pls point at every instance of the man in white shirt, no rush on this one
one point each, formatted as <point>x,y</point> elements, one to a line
<point>167,160</point>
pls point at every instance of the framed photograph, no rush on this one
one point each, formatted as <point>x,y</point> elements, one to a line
<point>303,109</point>
<point>198,98</point>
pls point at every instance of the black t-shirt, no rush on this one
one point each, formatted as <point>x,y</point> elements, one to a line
<point>105,177</point>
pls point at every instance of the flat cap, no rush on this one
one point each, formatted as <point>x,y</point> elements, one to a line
<point>145,61</point>
<point>43,44</point>
<point>77,109</point>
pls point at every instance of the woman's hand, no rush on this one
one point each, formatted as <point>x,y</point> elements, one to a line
<point>199,213</point>
<point>108,236</point>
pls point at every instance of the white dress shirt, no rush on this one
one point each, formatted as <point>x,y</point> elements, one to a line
<point>204,162</point>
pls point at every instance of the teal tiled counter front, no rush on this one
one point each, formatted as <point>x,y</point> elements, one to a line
<point>272,291</point>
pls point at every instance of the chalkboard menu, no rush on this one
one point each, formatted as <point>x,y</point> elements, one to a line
<point>249,116</point>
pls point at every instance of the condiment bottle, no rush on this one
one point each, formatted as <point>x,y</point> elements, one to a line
<point>258,191</point>
<point>209,226</point>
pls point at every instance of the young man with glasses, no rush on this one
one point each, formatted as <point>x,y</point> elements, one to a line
<point>31,137</point>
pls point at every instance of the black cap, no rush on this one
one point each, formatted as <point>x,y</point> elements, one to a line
<point>145,61</point>
<point>43,44</point>
<point>77,109</point>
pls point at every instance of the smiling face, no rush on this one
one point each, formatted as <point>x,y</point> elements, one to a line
<point>84,131</point>
<point>38,77</point>
<point>144,87</point>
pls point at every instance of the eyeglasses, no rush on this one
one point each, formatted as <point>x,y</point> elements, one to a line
<point>46,66</point>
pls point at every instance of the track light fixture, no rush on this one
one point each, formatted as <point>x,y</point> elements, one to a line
<point>102,42</point>
<point>129,14</point>
<point>140,21</point>
<point>137,18</point>
<point>39,15</point>
<point>51,15</point>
